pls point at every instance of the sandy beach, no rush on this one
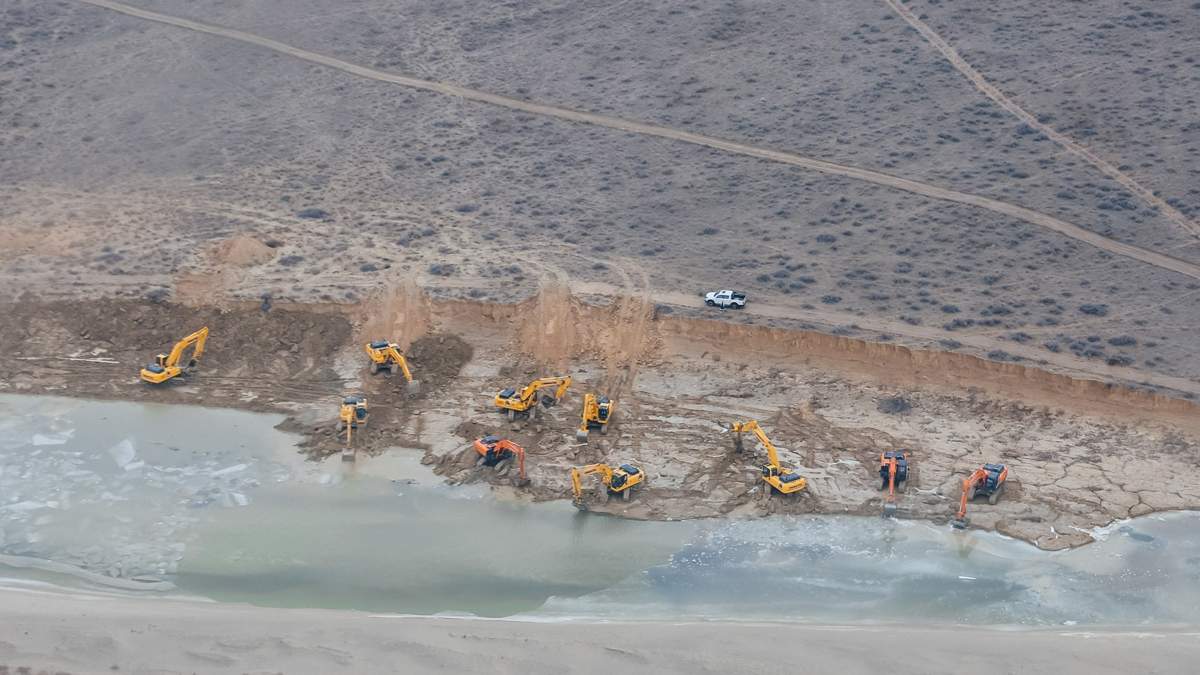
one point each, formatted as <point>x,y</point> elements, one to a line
<point>55,633</point>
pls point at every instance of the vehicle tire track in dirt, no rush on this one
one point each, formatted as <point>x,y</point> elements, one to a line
<point>988,89</point>
<point>1019,212</point>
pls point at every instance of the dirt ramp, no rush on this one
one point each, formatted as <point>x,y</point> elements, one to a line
<point>400,312</point>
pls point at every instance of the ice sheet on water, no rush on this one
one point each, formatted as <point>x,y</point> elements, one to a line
<point>123,452</point>
<point>122,511</point>
<point>228,470</point>
<point>56,438</point>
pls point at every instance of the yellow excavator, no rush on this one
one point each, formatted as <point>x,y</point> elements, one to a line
<point>597,413</point>
<point>782,479</point>
<point>386,356</point>
<point>166,366</point>
<point>353,415</point>
<point>526,399</point>
<point>617,481</point>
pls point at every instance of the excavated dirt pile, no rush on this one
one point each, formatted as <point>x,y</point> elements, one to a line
<point>435,361</point>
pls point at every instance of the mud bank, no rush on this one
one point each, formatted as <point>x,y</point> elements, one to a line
<point>1083,452</point>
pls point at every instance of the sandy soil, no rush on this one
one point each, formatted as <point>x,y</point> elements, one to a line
<point>1081,452</point>
<point>55,634</point>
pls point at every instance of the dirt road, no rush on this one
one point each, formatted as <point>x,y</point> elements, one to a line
<point>1064,362</point>
<point>1028,215</point>
<point>991,91</point>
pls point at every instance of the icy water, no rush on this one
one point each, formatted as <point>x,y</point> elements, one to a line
<point>217,504</point>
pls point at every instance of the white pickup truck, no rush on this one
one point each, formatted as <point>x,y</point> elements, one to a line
<point>725,299</point>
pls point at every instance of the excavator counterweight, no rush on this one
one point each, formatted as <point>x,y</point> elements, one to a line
<point>166,366</point>
<point>386,355</point>
<point>617,481</point>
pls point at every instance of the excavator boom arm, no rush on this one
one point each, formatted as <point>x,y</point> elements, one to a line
<point>199,338</point>
<point>752,426</point>
<point>562,383</point>
<point>403,362</point>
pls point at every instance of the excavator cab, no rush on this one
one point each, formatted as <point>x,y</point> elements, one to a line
<point>166,366</point>
<point>385,355</point>
<point>619,481</point>
<point>597,413</point>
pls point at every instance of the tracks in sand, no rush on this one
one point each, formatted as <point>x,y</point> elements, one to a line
<point>932,191</point>
<point>991,91</point>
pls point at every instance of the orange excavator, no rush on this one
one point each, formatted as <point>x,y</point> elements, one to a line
<point>893,475</point>
<point>499,454</point>
<point>988,481</point>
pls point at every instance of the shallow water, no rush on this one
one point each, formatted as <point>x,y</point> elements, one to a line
<point>218,503</point>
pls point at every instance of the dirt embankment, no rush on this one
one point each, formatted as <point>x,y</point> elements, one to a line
<point>627,333</point>
<point>1082,452</point>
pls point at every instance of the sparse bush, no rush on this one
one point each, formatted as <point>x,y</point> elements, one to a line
<point>467,208</point>
<point>949,344</point>
<point>1094,310</point>
<point>831,299</point>
<point>709,231</point>
<point>291,260</point>
<point>313,214</point>
<point>443,269</point>
<point>1120,360</point>
<point>950,309</point>
<point>158,295</point>
<point>893,405</point>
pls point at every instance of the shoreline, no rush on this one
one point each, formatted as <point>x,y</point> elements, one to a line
<point>300,459</point>
<point>93,634</point>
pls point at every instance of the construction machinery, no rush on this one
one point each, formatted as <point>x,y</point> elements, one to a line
<point>988,481</point>
<point>527,398</point>
<point>618,481</point>
<point>499,453</point>
<point>166,366</point>
<point>783,480</point>
<point>597,413</point>
<point>893,476</point>
<point>386,356</point>
<point>353,415</point>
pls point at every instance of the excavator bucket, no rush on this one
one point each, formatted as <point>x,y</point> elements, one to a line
<point>959,523</point>
<point>581,435</point>
<point>889,510</point>
<point>414,388</point>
